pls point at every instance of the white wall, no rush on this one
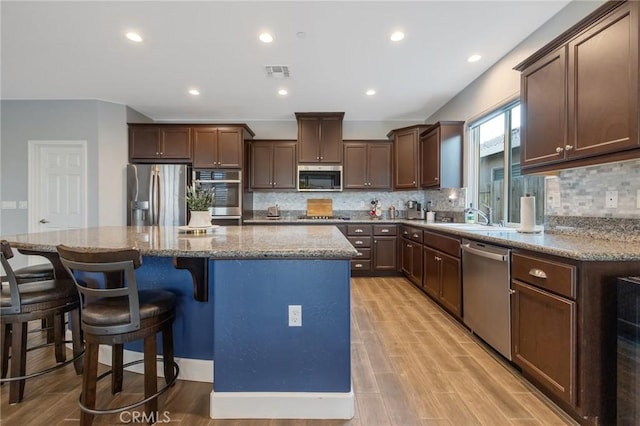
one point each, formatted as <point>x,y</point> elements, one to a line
<point>113,157</point>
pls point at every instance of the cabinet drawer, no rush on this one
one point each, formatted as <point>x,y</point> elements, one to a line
<point>557,277</point>
<point>383,230</point>
<point>414,234</point>
<point>363,254</point>
<point>443,243</point>
<point>360,242</point>
<point>358,229</point>
<point>360,265</point>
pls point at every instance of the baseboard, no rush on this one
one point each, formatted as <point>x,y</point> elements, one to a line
<point>282,405</point>
<point>195,370</point>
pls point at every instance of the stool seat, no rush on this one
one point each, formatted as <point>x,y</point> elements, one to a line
<point>115,311</point>
<point>39,292</point>
<point>43,271</point>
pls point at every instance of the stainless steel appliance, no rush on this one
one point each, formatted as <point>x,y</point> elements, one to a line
<point>227,191</point>
<point>486,281</point>
<point>628,357</point>
<point>156,194</point>
<point>319,178</point>
<point>414,210</point>
<point>273,211</point>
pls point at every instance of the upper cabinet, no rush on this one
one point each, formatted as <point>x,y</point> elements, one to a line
<point>440,145</point>
<point>406,158</point>
<point>367,165</point>
<point>580,93</point>
<point>218,147</point>
<point>273,165</point>
<point>319,137</point>
<point>153,143</point>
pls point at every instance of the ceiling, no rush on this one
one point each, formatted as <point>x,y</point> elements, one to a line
<point>78,50</point>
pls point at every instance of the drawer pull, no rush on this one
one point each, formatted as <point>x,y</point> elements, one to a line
<point>359,254</point>
<point>358,265</point>
<point>415,235</point>
<point>359,230</point>
<point>538,273</point>
<point>359,243</point>
<point>385,230</point>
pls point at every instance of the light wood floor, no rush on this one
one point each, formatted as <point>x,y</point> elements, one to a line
<point>412,365</point>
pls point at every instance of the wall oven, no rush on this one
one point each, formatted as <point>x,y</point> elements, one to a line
<point>319,178</point>
<point>227,191</point>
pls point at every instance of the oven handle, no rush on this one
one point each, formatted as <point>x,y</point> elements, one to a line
<point>485,254</point>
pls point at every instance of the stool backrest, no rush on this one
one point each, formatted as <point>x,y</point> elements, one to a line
<point>110,263</point>
<point>5,254</point>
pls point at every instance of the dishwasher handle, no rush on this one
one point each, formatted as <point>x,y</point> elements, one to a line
<point>485,254</point>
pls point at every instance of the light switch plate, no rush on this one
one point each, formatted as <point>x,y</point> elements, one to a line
<point>611,199</point>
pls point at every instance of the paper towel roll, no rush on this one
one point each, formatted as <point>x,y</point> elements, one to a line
<point>527,214</point>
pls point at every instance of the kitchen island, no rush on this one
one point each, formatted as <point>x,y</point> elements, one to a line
<point>235,332</point>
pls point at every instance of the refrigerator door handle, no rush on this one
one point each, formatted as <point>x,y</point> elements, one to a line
<point>154,196</point>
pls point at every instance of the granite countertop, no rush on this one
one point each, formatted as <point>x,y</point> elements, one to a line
<point>228,242</point>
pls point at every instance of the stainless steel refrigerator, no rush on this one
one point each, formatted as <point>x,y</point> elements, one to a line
<point>156,194</point>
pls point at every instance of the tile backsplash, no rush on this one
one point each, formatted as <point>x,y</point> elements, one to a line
<point>581,191</point>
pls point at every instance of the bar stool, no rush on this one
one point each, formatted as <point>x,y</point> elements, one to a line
<point>40,272</point>
<point>34,300</point>
<point>117,315</point>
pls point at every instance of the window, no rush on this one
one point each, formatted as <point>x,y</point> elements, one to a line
<point>495,139</point>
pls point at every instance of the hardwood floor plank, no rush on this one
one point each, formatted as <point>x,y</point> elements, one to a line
<point>455,409</point>
<point>371,410</point>
<point>362,373</point>
<point>396,400</point>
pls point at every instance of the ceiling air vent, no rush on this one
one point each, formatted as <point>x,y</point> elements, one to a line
<point>277,71</point>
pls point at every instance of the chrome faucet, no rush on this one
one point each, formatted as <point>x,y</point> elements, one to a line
<point>488,217</point>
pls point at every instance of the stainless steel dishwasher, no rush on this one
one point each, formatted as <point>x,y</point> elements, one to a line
<point>486,290</point>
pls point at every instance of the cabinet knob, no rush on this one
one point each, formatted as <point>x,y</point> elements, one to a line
<point>375,241</point>
<point>559,149</point>
<point>414,182</point>
<point>568,147</point>
<point>274,184</point>
<point>157,153</point>
<point>436,179</point>
<point>322,158</point>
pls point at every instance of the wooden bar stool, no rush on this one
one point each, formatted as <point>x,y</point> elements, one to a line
<point>115,316</point>
<point>34,300</point>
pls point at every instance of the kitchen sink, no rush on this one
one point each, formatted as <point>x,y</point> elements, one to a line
<point>474,227</point>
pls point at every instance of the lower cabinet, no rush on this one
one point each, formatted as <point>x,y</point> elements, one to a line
<point>376,245</point>
<point>412,254</point>
<point>442,273</point>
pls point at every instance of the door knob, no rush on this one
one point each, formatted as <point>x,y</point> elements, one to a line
<point>44,221</point>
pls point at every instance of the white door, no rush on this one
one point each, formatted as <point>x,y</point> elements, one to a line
<point>58,185</point>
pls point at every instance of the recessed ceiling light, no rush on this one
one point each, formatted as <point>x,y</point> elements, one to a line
<point>370,92</point>
<point>134,37</point>
<point>474,58</point>
<point>266,38</point>
<point>282,92</point>
<point>194,92</point>
<point>397,36</point>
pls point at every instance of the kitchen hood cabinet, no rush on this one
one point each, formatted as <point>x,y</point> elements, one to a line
<point>273,165</point>
<point>159,144</point>
<point>367,165</point>
<point>406,159</point>
<point>320,137</point>
<point>440,145</point>
<point>580,93</point>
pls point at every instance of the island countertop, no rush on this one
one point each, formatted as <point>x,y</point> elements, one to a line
<point>229,242</point>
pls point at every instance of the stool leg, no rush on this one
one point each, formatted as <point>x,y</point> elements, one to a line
<point>48,325</point>
<point>116,368</point>
<point>5,341</point>
<point>167,353</point>
<point>58,337</point>
<point>150,375</point>
<point>18,360</point>
<point>89,379</point>
<point>76,339</point>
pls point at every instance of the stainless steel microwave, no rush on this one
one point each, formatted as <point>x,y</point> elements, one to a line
<point>319,178</point>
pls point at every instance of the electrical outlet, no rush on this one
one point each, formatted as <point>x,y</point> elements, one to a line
<point>611,199</point>
<point>295,315</point>
<point>362,206</point>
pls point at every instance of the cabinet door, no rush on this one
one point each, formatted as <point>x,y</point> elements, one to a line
<point>331,140</point>
<point>261,165</point>
<point>406,160</point>
<point>379,165</point>
<point>416,265</point>
<point>205,147</point>
<point>407,256</point>
<point>603,86</point>
<point>430,159</point>
<point>175,143</point>
<point>308,140</point>
<point>451,284</point>
<point>384,254</point>
<point>284,165</point>
<point>544,105</point>
<point>230,144</point>
<point>431,278</point>
<point>355,165</point>
<point>144,143</point>
<point>544,339</point>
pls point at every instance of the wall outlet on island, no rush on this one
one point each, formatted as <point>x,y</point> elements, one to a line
<point>611,199</point>
<point>295,315</point>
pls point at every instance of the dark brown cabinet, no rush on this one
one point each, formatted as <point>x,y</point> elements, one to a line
<point>153,143</point>
<point>411,240</point>
<point>319,137</point>
<point>218,147</point>
<point>580,93</point>
<point>406,158</point>
<point>376,245</point>
<point>440,145</point>
<point>273,165</point>
<point>442,274</point>
<point>367,165</point>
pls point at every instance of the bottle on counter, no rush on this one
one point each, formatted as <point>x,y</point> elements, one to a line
<point>470,218</point>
